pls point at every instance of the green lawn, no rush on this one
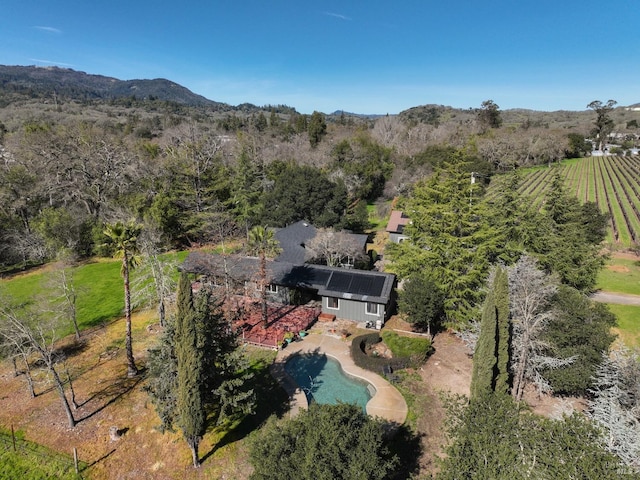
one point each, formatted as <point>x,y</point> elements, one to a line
<point>628,323</point>
<point>375,222</point>
<point>620,275</point>
<point>32,461</point>
<point>98,285</point>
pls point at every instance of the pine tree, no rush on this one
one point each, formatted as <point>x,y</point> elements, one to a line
<point>317,128</point>
<point>163,377</point>
<point>190,405</point>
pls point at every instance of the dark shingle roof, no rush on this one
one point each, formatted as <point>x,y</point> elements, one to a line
<point>362,285</point>
<point>293,240</point>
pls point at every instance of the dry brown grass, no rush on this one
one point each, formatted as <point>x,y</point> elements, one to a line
<point>107,398</point>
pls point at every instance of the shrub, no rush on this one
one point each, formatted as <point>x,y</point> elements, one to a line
<point>325,441</point>
<point>415,348</point>
<point>375,364</point>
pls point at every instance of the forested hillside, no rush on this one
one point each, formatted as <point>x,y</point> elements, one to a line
<point>80,150</point>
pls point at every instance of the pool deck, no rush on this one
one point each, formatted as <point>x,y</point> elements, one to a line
<point>387,403</point>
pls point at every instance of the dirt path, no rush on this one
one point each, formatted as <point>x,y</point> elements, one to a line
<point>618,298</point>
<point>449,368</point>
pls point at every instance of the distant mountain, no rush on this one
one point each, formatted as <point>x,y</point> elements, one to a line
<point>64,83</point>
<point>45,81</point>
<point>339,113</point>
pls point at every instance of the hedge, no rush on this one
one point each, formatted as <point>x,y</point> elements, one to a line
<point>378,365</point>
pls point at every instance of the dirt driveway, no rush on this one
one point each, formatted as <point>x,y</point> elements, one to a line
<point>617,298</point>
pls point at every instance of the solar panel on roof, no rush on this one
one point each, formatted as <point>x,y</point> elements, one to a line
<point>320,277</point>
<point>374,286</point>
<point>340,282</point>
<point>357,284</point>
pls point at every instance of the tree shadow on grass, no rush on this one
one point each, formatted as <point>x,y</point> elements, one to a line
<point>270,399</point>
<point>407,445</point>
<point>72,348</point>
<point>111,393</point>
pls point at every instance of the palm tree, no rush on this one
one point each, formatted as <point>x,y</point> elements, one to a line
<point>263,243</point>
<point>123,238</point>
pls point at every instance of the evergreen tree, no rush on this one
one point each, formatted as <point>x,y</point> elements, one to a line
<point>190,416</point>
<point>188,379</point>
<point>495,438</point>
<point>565,237</point>
<point>484,357</point>
<point>572,254</point>
<point>450,237</point>
<point>274,119</point>
<point>304,193</point>
<point>489,115</point>
<point>260,122</point>
<point>317,128</point>
<point>246,191</point>
<point>422,301</point>
<point>163,377</point>
<point>603,125</point>
<point>509,212</point>
<point>337,442</point>
<point>225,369</point>
<point>501,301</point>
<point>580,328</point>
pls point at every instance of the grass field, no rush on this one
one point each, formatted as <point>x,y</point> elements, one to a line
<point>620,275</point>
<point>30,461</point>
<point>98,285</point>
<point>375,221</point>
<point>628,329</point>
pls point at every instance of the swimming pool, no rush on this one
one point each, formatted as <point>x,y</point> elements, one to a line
<point>323,381</point>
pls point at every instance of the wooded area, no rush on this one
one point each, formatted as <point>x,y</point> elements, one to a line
<point>507,267</point>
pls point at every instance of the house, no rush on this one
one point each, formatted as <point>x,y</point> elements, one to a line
<point>397,221</point>
<point>295,239</point>
<point>357,295</point>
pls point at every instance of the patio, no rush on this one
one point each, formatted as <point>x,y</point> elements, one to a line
<point>246,315</point>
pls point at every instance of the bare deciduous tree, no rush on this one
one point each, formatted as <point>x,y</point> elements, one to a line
<point>530,293</point>
<point>28,333</point>
<point>153,282</point>
<point>62,295</point>
<point>616,404</point>
<point>335,248</point>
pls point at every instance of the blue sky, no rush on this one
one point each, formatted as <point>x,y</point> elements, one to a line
<point>367,56</point>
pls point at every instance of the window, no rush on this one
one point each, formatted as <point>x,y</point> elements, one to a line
<point>372,308</point>
<point>332,303</point>
<point>272,288</point>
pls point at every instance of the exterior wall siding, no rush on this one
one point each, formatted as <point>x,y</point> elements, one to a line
<point>397,237</point>
<point>353,310</point>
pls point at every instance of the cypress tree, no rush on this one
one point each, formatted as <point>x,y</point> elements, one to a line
<point>484,357</point>
<point>190,405</point>
<point>501,299</point>
<point>198,364</point>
